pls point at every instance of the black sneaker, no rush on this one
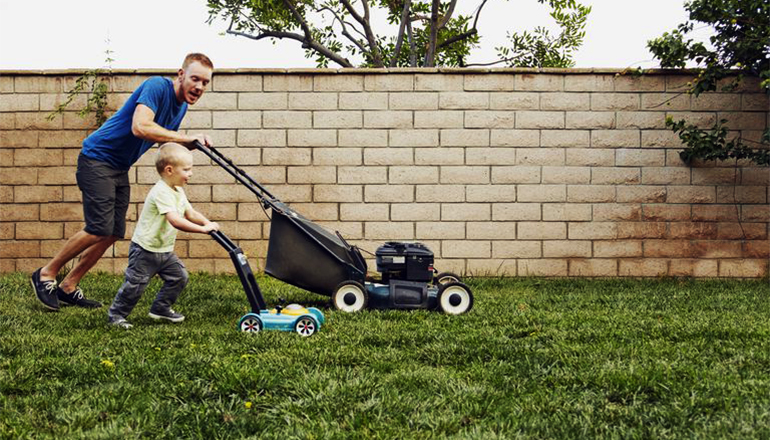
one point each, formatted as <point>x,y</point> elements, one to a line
<point>168,315</point>
<point>45,291</point>
<point>76,298</point>
<point>120,322</point>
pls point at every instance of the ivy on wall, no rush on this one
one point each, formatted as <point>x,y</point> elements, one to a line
<point>96,83</point>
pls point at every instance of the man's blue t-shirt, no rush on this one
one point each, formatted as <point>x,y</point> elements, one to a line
<point>114,143</point>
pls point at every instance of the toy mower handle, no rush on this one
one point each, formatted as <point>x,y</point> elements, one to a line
<point>250,286</point>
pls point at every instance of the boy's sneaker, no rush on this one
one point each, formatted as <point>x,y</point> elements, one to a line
<point>120,322</point>
<point>168,315</point>
<point>76,298</point>
<point>45,291</point>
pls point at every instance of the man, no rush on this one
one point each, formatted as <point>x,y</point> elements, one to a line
<point>151,115</point>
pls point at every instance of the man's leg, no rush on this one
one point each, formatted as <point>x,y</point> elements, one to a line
<point>106,194</point>
<point>89,258</point>
<point>78,243</point>
<point>44,279</point>
<point>68,292</point>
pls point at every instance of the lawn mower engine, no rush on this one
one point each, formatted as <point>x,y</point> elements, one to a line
<point>404,262</point>
<point>406,269</point>
<point>408,281</point>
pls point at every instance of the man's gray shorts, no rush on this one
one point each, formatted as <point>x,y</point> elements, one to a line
<point>142,266</point>
<point>106,193</point>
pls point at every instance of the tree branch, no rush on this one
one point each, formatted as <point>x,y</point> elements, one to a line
<point>345,32</point>
<point>325,51</point>
<point>448,15</point>
<point>502,60</point>
<point>353,12</point>
<point>300,19</point>
<point>478,13</point>
<point>320,48</point>
<point>430,54</point>
<point>309,43</point>
<point>464,35</point>
<point>456,38</point>
<point>374,50</point>
<point>400,38</point>
<point>269,34</point>
<point>412,49</point>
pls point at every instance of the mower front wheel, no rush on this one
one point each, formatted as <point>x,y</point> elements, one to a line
<point>455,298</point>
<point>350,296</point>
<point>250,323</point>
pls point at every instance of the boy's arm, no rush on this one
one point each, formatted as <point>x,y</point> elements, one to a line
<point>196,217</point>
<point>186,225</point>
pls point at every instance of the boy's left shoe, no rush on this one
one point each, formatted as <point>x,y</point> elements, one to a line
<point>168,315</point>
<point>76,298</point>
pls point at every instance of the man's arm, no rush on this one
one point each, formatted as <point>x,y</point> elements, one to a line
<point>143,126</point>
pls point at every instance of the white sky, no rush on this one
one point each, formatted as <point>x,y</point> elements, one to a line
<point>63,34</point>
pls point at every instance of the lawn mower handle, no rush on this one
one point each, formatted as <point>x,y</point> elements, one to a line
<point>240,175</point>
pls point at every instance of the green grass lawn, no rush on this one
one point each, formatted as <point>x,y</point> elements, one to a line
<point>542,359</point>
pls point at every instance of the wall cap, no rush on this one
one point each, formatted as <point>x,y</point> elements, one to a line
<point>366,71</point>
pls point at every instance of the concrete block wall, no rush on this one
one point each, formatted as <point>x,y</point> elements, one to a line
<point>500,172</point>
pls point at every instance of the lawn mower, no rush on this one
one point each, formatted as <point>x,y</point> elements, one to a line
<point>304,254</point>
<point>294,317</point>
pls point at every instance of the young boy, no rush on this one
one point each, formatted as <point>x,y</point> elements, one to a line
<point>151,252</point>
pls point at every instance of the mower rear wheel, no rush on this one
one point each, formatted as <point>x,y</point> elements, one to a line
<point>250,323</point>
<point>305,326</point>
<point>446,277</point>
<point>350,296</point>
<point>455,298</point>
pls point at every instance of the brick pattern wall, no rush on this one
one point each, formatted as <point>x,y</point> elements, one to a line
<point>516,172</point>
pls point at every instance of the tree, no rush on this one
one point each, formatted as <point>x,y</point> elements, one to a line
<point>740,48</point>
<point>423,33</point>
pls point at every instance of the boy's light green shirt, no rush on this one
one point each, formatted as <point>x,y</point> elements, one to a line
<point>153,232</point>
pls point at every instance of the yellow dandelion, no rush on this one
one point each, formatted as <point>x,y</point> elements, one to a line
<point>248,405</point>
<point>108,363</point>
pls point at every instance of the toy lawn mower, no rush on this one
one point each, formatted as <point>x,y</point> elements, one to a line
<point>293,317</point>
<point>308,256</point>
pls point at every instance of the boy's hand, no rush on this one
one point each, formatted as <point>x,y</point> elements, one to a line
<point>211,226</point>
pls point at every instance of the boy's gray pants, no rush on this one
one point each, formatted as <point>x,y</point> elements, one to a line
<point>142,266</point>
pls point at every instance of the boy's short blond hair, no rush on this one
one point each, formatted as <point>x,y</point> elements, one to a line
<point>172,154</point>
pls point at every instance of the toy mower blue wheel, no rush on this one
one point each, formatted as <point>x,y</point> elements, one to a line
<point>305,326</point>
<point>455,298</point>
<point>250,323</point>
<point>350,296</point>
